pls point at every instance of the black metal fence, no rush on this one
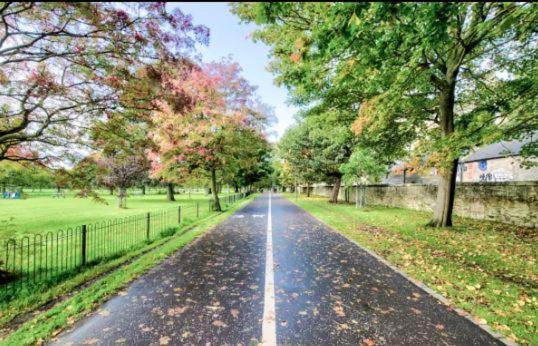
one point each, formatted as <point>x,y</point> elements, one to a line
<point>49,256</point>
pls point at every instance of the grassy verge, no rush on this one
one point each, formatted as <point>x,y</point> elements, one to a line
<point>488,269</point>
<point>65,313</point>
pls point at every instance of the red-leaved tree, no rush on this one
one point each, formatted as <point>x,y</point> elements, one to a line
<point>64,65</point>
<point>203,125</point>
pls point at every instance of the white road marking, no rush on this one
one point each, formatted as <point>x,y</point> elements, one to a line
<point>258,215</point>
<point>269,315</point>
<point>239,216</point>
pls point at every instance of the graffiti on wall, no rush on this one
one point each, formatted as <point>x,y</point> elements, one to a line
<point>496,176</point>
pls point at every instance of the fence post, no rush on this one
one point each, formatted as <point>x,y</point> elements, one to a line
<point>84,254</point>
<point>209,205</point>
<point>197,209</point>
<point>179,214</point>
<point>148,225</point>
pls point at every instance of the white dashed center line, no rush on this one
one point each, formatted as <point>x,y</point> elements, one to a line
<point>269,315</point>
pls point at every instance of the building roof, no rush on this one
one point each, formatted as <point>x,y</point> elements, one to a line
<point>499,149</point>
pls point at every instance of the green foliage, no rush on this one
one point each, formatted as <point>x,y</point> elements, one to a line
<point>362,167</point>
<point>168,232</point>
<point>401,56</point>
<point>318,145</point>
<point>21,175</point>
<point>437,78</point>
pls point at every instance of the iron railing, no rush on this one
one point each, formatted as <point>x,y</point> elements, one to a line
<point>53,255</point>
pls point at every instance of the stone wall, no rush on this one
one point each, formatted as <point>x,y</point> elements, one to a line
<point>508,202</point>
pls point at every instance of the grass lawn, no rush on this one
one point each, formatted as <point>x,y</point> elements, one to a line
<point>40,212</point>
<point>488,269</point>
<point>65,313</point>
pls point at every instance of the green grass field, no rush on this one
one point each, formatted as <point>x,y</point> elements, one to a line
<point>488,269</point>
<point>40,212</point>
<point>42,239</point>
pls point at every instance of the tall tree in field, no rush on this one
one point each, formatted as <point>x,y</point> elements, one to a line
<point>449,76</point>
<point>123,173</point>
<point>205,123</point>
<point>63,65</point>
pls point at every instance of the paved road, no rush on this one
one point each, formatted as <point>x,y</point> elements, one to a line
<point>327,291</point>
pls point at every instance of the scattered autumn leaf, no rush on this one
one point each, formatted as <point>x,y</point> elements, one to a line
<point>164,340</point>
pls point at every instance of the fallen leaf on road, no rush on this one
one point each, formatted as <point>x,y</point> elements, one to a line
<point>368,342</point>
<point>164,340</point>
<point>339,311</point>
<point>234,312</point>
<point>177,310</point>
<point>218,323</point>
<point>343,326</point>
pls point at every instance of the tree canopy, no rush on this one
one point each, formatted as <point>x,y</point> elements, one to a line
<point>435,78</point>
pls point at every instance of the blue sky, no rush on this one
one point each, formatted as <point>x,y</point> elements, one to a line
<point>229,38</point>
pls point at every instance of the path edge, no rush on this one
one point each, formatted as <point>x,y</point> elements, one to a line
<point>485,327</point>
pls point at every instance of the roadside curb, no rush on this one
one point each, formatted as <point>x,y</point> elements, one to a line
<point>417,283</point>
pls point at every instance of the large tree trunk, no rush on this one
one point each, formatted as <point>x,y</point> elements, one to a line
<point>442,214</point>
<point>216,201</point>
<point>307,190</point>
<point>446,188</point>
<point>122,200</point>
<point>170,192</point>
<point>236,188</point>
<point>143,188</point>
<point>336,189</point>
<point>111,190</point>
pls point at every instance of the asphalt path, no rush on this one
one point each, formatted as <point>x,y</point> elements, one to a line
<point>273,274</point>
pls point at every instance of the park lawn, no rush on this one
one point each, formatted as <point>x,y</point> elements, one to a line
<point>488,269</point>
<point>40,212</point>
<point>65,313</point>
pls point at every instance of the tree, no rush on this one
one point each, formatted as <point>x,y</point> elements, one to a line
<point>206,124</point>
<point>12,174</point>
<point>61,179</point>
<point>363,166</point>
<point>297,152</point>
<point>443,76</point>
<point>282,175</point>
<point>87,174</point>
<point>252,167</point>
<point>63,65</point>
<point>123,173</point>
<point>318,146</point>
